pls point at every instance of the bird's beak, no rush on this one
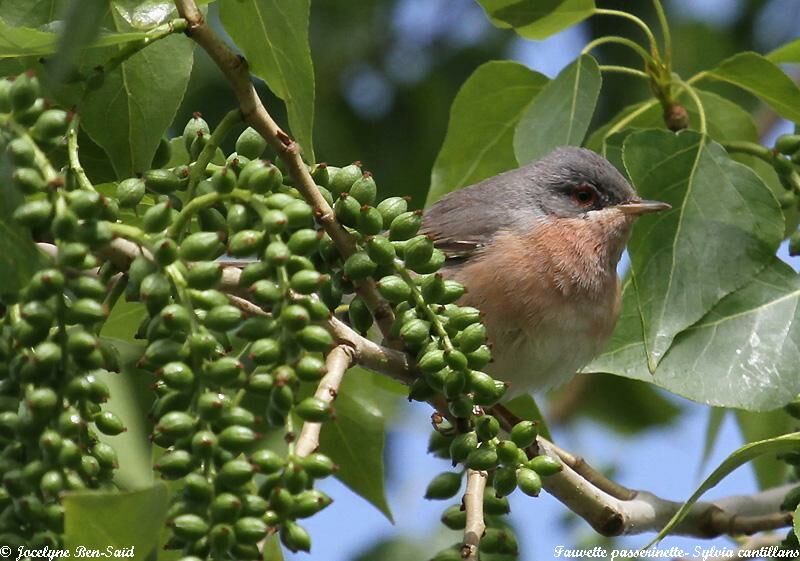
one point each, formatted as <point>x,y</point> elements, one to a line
<point>636,208</point>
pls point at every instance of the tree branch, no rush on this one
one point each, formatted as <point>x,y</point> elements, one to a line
<point>473,505</point>
<point>235,69</point>
<point>337,362</point>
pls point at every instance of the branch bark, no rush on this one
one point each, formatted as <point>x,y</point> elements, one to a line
<point>235,69</point>
<point>337,362</point>
<point>473,505</point>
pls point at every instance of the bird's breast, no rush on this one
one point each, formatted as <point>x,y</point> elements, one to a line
<point>550,300</point>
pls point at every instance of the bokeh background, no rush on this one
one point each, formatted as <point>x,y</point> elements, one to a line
<point>386,74</point>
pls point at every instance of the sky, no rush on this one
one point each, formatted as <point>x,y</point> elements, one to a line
<point>664,461</point>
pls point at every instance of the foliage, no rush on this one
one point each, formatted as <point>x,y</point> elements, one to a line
<point>218,282</point>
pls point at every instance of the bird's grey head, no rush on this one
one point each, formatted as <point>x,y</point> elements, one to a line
<point>571,181</point>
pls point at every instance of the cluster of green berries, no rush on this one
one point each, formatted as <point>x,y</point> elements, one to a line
<point>786,161</point>
<point>52,362</point>
<point>221,374</point>
<point>508,467</point>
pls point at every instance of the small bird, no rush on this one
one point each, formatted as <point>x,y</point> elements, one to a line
<point>537,249</point>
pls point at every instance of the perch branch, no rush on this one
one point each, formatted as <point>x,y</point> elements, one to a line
<point>235,69</point>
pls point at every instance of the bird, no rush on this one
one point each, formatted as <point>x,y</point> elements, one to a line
<point>537,250</point>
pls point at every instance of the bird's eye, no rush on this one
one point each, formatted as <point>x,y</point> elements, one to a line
<point>584,195</point>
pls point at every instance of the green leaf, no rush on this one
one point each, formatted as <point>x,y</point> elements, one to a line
<point>788,53</point>
<point>626,406</point>
<point>19,257</point>
<point>274,38</point>
<point>119,520</point>
<point>561,113</point>
<point>355,441</point>
<point>130,401</point>
<point>725,225</point>
<point>272,549</point>
<point>81,27</point>
<point>736,459</point>
<point>526,408</point>
<point>30,13</point>
<point>769,470</point>
<point>537,19</point>
<point>134,104</point>
<point>796,522</point>
<point>743,353</point>
<point>22,41</point>
<point>480,133</point>
<point>763,78</point>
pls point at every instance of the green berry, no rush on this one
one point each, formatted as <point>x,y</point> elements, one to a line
<point>51,125</point>
<point>194,126</point>
<point>202,246</point>
<point>189,527</point>
<point>359,266</point>
<point>524,433</point>
<point>544,465</point>
<point>223,180</point>
<point>463,445</point>
<point>454,518</point>
<point>237,438</point>
<point>315,338</point>
<point>471,337</point>
<point>28,180</point>
<point>360,316</point>
<point>482,458</point>
<point>313,409</point>
<point>487,427</point>
<point>529,482</point>
<point>34,214</point>
<point>157,217</point>
<point>310,369</point>
<point>443,486</point>
<point>21,151</point>
<point>108,423</point>
<point>347,210</point>
<point>295,537</point>
<point>23,92</point>
<point>250,144</point>
<point>364,189</point>
<point>343,179</point>
<point>405,226</point>
<point>161,181</point>
<point>505,481</point>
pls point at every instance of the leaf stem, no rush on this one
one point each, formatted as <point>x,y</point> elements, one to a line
<point>639,22</point>
<point>665,32</point>
<point>128,232</point>
<point>699,104</point>
<point>72,155</point>
<point>624,70</point>
<point>178,25</point>
<point>209,199</point>
<point>619,41</point>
